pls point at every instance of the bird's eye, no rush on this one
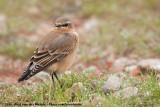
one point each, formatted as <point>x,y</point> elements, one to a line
<point>65,25</point>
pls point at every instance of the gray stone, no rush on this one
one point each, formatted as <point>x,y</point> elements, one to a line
<point>149,65</point>
<point>74,90</point>
<point>130,68</point>
<point>95,83</point>
<point>91,69</point>
<point>42,75</point>
<point>121,63</point>
<point>126,93</point>
<point>126,79</point>
<point>112,84</point>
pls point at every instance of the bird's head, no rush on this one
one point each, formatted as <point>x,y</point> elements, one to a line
<point>64,25</point>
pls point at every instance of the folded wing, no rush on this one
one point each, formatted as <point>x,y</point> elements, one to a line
<point>48,53</point>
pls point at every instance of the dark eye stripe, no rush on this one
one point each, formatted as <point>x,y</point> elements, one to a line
<point>65,25</point>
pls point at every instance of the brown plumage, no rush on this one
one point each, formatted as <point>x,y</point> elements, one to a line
<point>55,52</point>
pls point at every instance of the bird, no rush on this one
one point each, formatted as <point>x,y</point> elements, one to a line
<point>56,52</point>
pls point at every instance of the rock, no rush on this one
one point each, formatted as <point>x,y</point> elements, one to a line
<point>42,75</point>
<point>97,99</point>
<point>123,76</point>
<point>159,84</point>
<point>3,24</point>
<point>132,69</point>
<point>112,84</point>
<point>126,93</point>
<point>149,65</point>
<point>94,83</point>
<point>120,63</point>
<point>90,70</point>
<point>126,79</point>
<point>74,90</point>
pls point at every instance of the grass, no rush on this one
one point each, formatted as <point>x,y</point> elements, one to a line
<point>45,92</point>
<point>128,26</point>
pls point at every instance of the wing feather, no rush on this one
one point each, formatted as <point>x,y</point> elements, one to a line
<point>48,53</point>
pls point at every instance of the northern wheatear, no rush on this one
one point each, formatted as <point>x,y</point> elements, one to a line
<point>55,52</point>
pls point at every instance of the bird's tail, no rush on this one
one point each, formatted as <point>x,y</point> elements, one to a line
<point>27,72</point>
<point>24,75</point>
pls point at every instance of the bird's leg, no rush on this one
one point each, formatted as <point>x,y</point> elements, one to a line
<point>51,74</point>
<point>57,78</point>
